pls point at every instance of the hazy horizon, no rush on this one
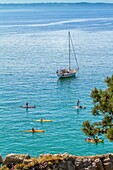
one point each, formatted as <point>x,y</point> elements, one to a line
<point>54,1</point>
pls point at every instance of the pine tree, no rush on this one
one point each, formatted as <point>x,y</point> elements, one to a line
<point>103,107</point>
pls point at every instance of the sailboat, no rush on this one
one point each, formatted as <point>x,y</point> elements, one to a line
<point>69,72</point>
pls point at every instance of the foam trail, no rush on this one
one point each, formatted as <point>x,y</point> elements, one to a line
<point>58,23</point>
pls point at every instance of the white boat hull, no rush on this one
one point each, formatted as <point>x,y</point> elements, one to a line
<point>66,75</point>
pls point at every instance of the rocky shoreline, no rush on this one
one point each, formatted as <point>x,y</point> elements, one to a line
<point>57,162</point>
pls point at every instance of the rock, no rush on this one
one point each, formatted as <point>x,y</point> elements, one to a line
<point>98,164</point>
<point>70,164</point>
<point>62,166</point>
<point>87,162</point>
<point>1,160</point>
<point>61,162</point>
<point>108,166</point>
<point>78,163</point>
<point>108,163</point>
<point>111,157</point>
<point>15,158</point>
<point>27,161</point>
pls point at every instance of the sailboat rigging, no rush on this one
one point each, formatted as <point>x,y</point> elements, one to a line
<point>68,72</point>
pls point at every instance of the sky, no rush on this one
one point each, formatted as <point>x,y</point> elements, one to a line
<point>36,1</point>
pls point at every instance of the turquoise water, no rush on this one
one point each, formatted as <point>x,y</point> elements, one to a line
<point>33,45</point>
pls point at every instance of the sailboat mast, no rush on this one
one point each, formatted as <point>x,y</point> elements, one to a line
<point>69,49</point>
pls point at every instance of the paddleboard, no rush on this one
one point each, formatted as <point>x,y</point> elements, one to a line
<point>35,131</point>
<point>43,120</point>
<point>27,107</point>
<point>80,107</point>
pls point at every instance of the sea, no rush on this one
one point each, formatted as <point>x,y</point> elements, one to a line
<point>33,45</point>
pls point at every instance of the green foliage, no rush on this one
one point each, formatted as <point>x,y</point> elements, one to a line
<point>103,106</point>
<point>109,134</point>
<point>89,129</point>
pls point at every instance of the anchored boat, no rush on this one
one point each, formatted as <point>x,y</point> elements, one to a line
<point>69,72</point>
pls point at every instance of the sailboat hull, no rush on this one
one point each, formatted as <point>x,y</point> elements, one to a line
<point>65,75</point>
<point>62,74</point>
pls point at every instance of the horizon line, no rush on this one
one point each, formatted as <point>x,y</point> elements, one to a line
<point>16,3</point>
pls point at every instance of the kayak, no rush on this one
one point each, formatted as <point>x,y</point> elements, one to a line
<point>35,131</point>
<point>80,107</point>
<point>93,141</point>
<point>43,120</point>
<point>27,107</point>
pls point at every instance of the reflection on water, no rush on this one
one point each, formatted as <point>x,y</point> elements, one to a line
<point>65,82</point>
<point>77,111</point>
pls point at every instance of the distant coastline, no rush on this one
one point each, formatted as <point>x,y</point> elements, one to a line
<point>63,3</point>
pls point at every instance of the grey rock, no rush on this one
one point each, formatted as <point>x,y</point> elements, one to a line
<point>15,158</point>
<point>108,166</point>
<point>1,160</point>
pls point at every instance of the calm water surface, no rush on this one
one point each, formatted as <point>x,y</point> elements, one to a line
<point>33,45</point>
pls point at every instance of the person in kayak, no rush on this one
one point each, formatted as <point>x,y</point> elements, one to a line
<point>41,120</point>
<point>26,104</point>
<point>33,130</point>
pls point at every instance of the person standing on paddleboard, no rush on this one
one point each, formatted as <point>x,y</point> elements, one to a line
<point>78,102</point>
